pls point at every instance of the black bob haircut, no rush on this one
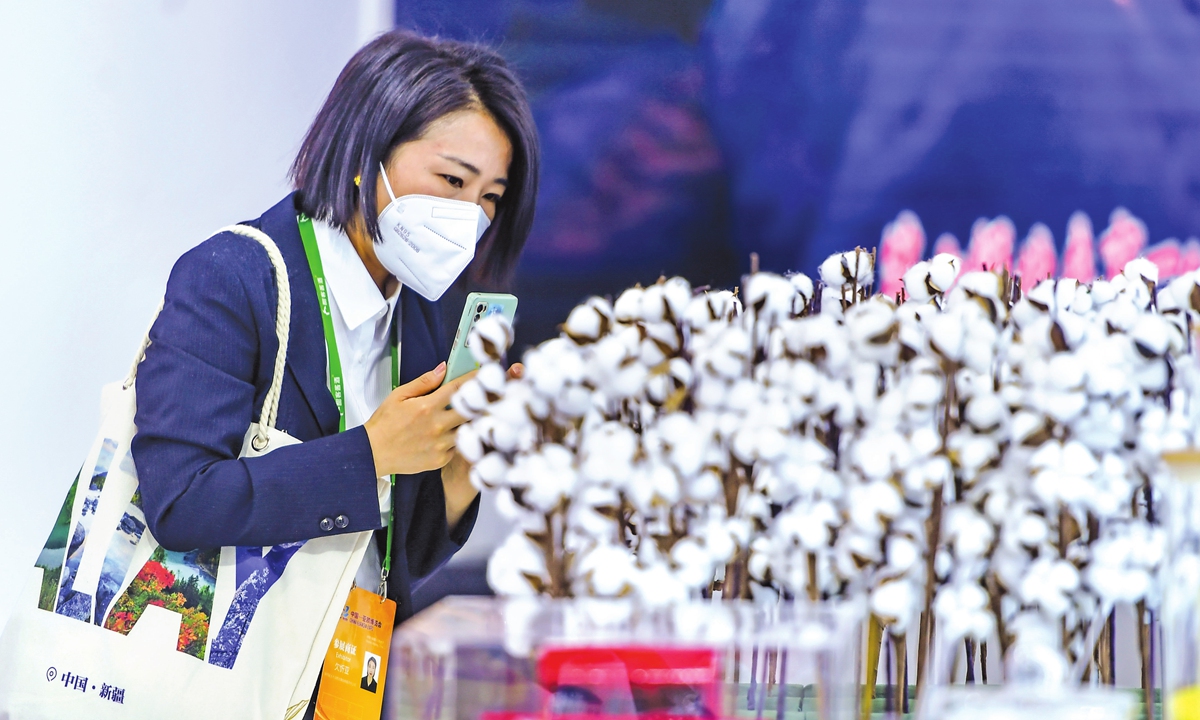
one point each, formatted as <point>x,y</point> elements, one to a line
<point>388,94</point>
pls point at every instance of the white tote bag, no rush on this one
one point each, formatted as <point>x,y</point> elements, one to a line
<point>111,625</point>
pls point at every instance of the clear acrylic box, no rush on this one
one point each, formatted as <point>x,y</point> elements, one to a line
<point>470,658</point>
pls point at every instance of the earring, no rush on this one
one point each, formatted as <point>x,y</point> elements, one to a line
<point>357,180</point>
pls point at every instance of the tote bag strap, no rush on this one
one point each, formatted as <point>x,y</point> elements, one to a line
<point>283,321</point>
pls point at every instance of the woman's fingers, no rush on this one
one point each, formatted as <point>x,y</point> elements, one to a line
<point>423,385</point>
<point>516,371</point>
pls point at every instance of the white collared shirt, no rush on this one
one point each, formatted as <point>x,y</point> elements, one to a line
<point>362,319</point>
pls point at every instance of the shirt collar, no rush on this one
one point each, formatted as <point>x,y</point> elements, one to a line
<point>357,296</point>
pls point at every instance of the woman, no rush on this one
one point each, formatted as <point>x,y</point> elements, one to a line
<point>450,125</point>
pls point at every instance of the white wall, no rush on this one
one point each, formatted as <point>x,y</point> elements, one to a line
<point>128,132</point>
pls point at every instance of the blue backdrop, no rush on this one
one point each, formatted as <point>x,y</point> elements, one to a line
<point>681,135</point>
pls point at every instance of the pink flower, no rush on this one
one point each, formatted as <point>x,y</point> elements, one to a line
<point>1079,254</point>
<point>901,247</point>
<point>991,245</point>
<point>1121,242</point>
<point>1038,259</point>
<point>1168,256</point>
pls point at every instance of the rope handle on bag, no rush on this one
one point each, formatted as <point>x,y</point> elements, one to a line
<point>283,321</point>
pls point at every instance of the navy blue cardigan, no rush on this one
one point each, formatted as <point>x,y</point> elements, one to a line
<point>203,381</point>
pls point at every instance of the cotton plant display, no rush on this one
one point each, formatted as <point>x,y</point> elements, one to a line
<point>970,455</point>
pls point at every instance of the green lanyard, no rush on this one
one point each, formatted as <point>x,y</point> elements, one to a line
<point>337,385</point>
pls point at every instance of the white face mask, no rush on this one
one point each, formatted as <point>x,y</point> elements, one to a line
<point>426,242</point>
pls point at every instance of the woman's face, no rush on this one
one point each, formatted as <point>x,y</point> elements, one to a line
<point>462,156</point>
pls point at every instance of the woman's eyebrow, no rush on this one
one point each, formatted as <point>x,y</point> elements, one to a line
<point>471,168</point>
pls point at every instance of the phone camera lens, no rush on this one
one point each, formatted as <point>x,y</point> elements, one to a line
<point>476,316</point>
<point>480,307</point>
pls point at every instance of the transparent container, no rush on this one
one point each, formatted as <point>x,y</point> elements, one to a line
<point>995,702</point>
<point>470,658</point>
<point>1181,588</point>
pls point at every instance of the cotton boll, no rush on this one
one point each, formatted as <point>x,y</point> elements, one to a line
<point>803,286</point>
<point>511,566</point>
<point>986,413</point>
<point>692,564</point>
<point>969,533</point>
<point>946,336</point>
<point>895,602</point>
<point>1049,584</point>
<point>605,570</point>
<point>628,307</point>
<point>471,399</point>
<point>834,272</point>
<point>1141,269</point>
<point>902,554</point>
<point>468,443</point>
<point>590,321</point>
<point>491,471</point>
<point>916,282</point>
<point>490,339</point>
<point>705,487</point>
<point>943,271</point>
<point>962,608</point>
<point>607,454</point>
<point>548,476</point>
<point>676,293</point>
<point>1103,292</point>
<point>1151,336</point>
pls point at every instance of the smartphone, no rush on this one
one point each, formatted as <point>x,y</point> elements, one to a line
<point>477,307</point>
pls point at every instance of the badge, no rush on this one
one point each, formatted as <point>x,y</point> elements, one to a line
<point>356,663</point>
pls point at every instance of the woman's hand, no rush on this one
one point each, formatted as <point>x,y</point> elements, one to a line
<point>413,429</point>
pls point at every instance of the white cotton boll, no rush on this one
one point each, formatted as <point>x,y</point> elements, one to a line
<point>980,284</point>
<point>1081,303</point>
<point>962,607</point>
<point>515,559</point>
<point>628,307</point>
<point>606,570</point>
<point>916,282</point>
<point>1049,583</point>
<point>653,305</point>
<point>705,487</point>
<point>1031,530</point>
<point>969,532</point>
<point>490,338</point>
<point>692,564</point>
<point>943,271</point>
<point>902,554</point>
<point>833,271</point>
<point>677,293</point>
<point>1102,292</point>
<point>803,286</point>
<point>492,378</point>
<point>1142,270</point>
<point>1064,293</point>
<point>590,321</point>
<point>986,413</point>
<point>871,503</point>
<point>573,402</point>
<point>548,476</point>
<point>1066,372</point>
<point>895,602</point>
<point>946,335</point>
<point>491,471</point>
<point>650,353</point>
<point>1151,336</point>
<point>468,443</point>
<point>471,400</point>
<point>607,453</point>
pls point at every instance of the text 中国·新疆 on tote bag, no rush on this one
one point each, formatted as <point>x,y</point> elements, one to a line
<point>112,625</point>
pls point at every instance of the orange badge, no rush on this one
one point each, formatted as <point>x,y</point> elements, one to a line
<point>356,664</point>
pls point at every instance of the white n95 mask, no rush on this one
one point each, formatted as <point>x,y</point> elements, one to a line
<point>426,241</point>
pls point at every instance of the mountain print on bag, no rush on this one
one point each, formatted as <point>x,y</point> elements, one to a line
<point>182,582</point>
<point>50,560</point>
<point>256,573</point>
<point>79,604</point>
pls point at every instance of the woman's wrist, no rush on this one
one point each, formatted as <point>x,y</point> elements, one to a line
<point>457,487</point>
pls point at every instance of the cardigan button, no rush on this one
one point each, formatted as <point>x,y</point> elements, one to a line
<point>326,524</point>
<point>341,521</point>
